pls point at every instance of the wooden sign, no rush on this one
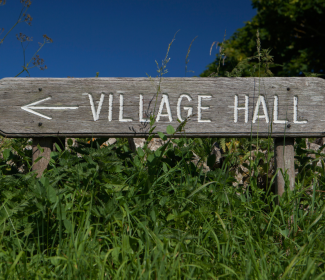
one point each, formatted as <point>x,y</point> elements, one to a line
<point>120,107</point>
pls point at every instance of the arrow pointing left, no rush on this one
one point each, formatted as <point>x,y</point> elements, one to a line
<point>31,106</point>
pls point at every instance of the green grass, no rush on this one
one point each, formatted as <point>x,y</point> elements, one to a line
<point>110,214</point>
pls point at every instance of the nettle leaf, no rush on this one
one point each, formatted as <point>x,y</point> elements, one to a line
<point>68,225</point>
<point>170,130</point>
<point>162,136</point>
<point>116,255</point>
<point>151,158</point>
<point>171,217</point>
<point>137,161</point>
<point>158,152</point>
<point>163,200</point>
<point>6,154</point>
<point>153,215</point>
<point>140,152</point>
<point>165,168</point>
<point>45,182</point>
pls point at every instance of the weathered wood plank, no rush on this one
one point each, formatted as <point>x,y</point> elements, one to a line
<point>284,156</point>
<point>212,101</point>
<point>46,144</point>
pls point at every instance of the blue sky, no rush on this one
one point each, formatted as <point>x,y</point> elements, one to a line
<point>121,38</point>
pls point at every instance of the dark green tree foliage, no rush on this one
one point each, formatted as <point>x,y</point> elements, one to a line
<point>293,32</point>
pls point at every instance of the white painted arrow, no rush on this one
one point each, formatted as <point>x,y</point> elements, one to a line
<point>31,106</point>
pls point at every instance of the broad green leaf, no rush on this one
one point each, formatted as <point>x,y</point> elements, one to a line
<point>137,161</point>
<point>6,154</point>
<point>171,217</point>
<point>151,157</point>
<point>162,201</point>
<point>58,147</point>
<point>184,213</point>
<point>162,136</point>
<point>165,168</point>
<point>115,255</point>
<point>158,152</point>
<point>51,194</point>
<point>45,182</point>
<point>140,152</point>
<point>170,130</point>
<point>68,225</point>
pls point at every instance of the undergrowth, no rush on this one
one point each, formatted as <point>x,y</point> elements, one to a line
<point>101,212</point>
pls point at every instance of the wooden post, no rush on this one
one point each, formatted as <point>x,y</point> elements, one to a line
<point>47,144</point>
<point>132,144</point>
<point>284,159</point>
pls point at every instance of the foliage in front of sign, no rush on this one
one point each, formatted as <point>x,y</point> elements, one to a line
<point>292,31</point>
<point>101,211</point>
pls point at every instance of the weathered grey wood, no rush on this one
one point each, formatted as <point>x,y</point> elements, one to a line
<point>71,92</point>
<point>46,143</point>
<point>284,159</point>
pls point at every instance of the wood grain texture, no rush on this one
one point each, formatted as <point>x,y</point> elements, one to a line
<point>284,156</point>
<point>18,92</point>
<point>47,145</point>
